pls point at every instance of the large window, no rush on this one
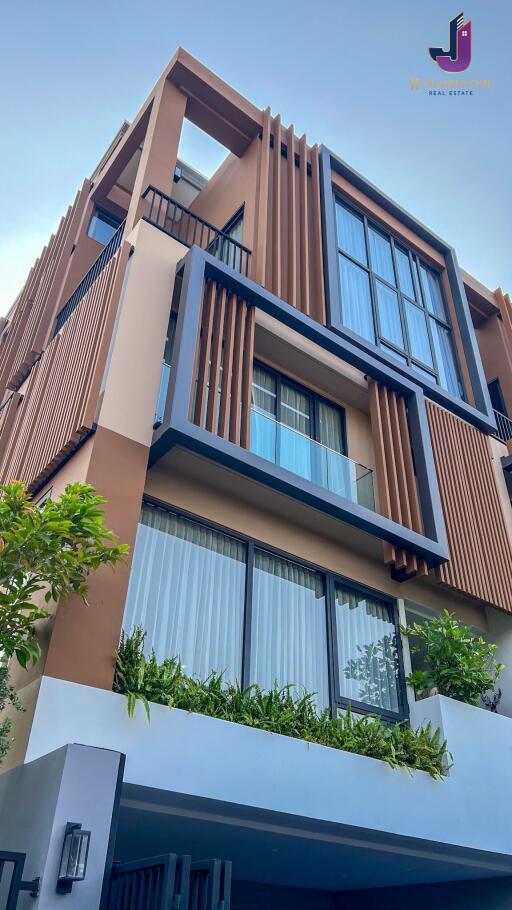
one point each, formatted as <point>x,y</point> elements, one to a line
<point>394,300</point>
<point>222,603</point>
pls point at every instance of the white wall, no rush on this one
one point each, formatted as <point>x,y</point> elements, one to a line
<point>200,756</point>
<point>76,784</point>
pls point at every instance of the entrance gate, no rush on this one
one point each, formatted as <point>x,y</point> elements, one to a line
<point>170,882</point>
<point>11,879</point>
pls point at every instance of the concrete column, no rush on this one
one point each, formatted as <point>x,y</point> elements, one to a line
<point>75,784</point>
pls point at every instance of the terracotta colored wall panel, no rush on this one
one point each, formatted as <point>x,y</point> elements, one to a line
<point>396,482</point>
<point>60,399</point>
<point>480,547</point>
<point>287,257</point>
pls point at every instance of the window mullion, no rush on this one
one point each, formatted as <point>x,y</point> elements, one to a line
<point>246,643</point>
<point>332,650</point>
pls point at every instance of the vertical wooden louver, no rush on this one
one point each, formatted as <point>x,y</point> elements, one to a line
<point>480,561</point>
<point>35,308</point>
<point>396,481</point>
<point>42,426</point>
<point>222,402</point>
<point>287,255</point>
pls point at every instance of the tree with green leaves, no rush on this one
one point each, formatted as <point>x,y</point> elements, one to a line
<point>46,553</point>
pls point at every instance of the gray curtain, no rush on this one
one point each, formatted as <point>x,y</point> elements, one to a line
<point>288,633</point>
<point>187,590</point>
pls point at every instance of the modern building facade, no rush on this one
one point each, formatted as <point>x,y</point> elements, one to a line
<point>296,406</point>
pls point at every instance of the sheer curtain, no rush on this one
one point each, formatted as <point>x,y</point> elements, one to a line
<point>351,233</point>
<point>448,372</point>
<point>288,634</point>
<point>356,304</point>
<point>187,591</point>
<point>335,470</point>
<point>367,654</point>
<point>380,254</point>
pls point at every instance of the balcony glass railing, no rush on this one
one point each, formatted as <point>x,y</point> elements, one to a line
<point>308,458</point>
<point>162,394</point>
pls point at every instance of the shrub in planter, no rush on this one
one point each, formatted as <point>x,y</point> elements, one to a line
<point>461,665</point>
<point>144,679</point>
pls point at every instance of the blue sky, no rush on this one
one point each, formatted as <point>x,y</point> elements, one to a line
<point>338,70</point>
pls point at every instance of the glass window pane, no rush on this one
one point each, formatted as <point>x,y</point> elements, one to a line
<point>102,226</point>
<point>389,314</point>
<point>330,426</point>
<point>264,390</point>
<point>426,375</point>
<point>288,632</point>
<point>448,372</point>
<point>351,233</point>
<point>380,254</point>
<point>295,409</point>
<point>186,590</point>
<point>404,272</point>
<point>356,304</point>
<point>418,333</point>
<point>367,650</point>
<point>393,353</point>
<point>432,293</point>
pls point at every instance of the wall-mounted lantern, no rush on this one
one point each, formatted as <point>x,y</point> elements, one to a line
<point>73,860</point>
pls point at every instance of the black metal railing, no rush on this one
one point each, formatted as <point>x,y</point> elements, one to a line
<point>177,221</point>
<point>170,882</point>
<point>210,885</point>
<point>88,280</point>
<point>504,425</point>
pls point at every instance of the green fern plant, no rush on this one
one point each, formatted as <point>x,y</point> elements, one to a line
<point>278,710</point>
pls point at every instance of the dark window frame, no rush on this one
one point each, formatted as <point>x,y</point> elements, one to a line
<point>420,300</point>
<point>315,399</point>
<point>336,700</point>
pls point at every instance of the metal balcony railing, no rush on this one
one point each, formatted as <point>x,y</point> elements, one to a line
<point>88,280</point>
<point>504,425</point>
<point>177,221</point>
<point>310,459</point>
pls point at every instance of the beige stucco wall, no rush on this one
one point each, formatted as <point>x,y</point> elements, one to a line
<point>135,358</point>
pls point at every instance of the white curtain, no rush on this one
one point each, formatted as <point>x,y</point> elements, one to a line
<point>187,591</point>
<point>367,655</point>
<point>288,631</point>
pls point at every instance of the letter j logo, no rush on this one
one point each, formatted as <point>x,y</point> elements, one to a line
<point>458,56</point>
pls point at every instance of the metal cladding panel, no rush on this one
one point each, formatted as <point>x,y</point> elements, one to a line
<point>480,550</point>
<point>58,407</point>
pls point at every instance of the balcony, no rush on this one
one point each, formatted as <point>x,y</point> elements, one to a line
<point>189,229</point>
<point>504,426</point>
<point>282,445</point>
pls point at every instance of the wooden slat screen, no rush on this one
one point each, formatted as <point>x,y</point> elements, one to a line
<point>35,309</point>
<point>480,550</point>
<point>396,481</point>
<point>224,362</point>
<point>59,403</point>
<point>287,256</point>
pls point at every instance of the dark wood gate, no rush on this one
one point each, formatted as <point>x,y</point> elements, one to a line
<point>170,882</point>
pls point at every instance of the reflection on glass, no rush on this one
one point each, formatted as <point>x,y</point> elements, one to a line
<point>367,649</point>
<point>356,302</point>
<point>380,253</point>
<point>389,314</point>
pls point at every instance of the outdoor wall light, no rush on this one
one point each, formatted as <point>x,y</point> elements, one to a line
<point>73,860</point>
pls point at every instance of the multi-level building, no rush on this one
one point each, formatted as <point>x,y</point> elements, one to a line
<point>296,406</point>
